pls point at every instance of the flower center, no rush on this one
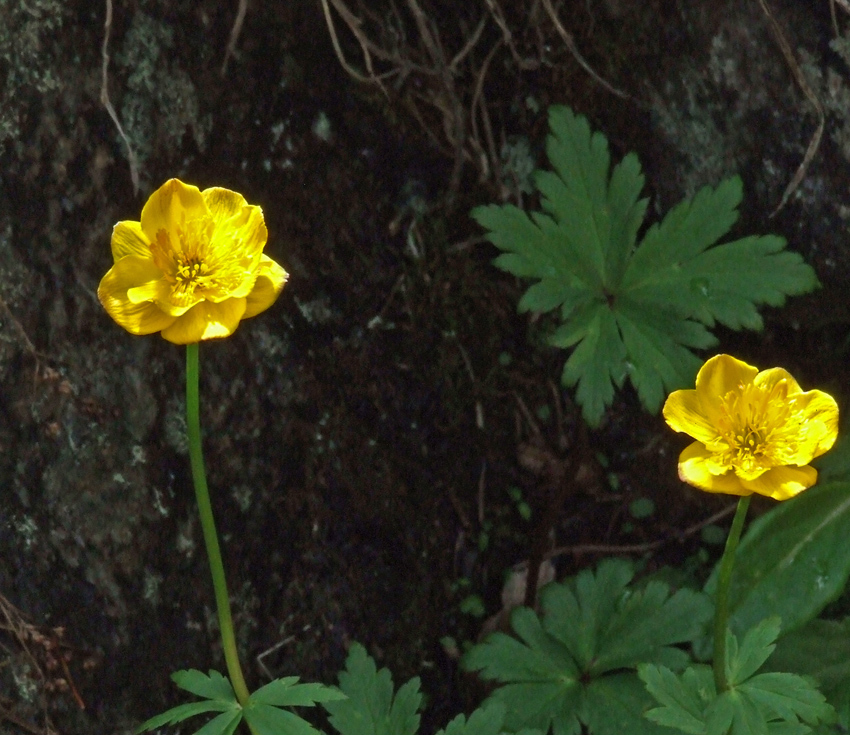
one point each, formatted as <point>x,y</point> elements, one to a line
<point>183,259</point>
<point>748,449</point>
<point>190,271</point>
<point>758,429</point>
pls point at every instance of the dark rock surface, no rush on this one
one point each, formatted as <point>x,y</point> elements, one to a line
<point>361,435</point>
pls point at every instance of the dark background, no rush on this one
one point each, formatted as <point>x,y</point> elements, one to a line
<point>369,439</point>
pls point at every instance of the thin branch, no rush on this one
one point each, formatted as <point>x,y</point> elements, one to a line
<point>507,35</point>
<point>234,34</point>
<point>571,45</point>
<point>104,99</point>
<point>581,549</point>
<point>807,90</point>
<point>468,46</point>
<point>478,101</point>
<point>353,24</point>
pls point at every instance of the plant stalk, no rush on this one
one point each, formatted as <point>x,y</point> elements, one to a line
<point>721,609</point>
<point>202,494</point>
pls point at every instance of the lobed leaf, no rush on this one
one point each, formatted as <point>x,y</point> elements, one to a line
<point>225,724</point>
<point>683,698</point>
<point>287,693</point>
<point>215,686</point>
<point>633,309</point>
<point>756,648</point>
<point>568,668</point>
<point>486,720</point>
<point>605,627</point>
<point>371,708</point>
<point>184,711</point>
<point>788,696</point>
<point>267,720</point>
<point>615,705</point>
<point>821,650</point>
<point>760,704</point>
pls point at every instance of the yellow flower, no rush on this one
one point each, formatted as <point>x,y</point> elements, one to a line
<point>755,432</point>
<point>193,268</point>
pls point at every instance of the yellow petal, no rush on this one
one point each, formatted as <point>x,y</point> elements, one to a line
<point>136,318</point>
<point>128,239</point>
<point>223,203</point>
<point>768,379</point>
<point>781,483</point>
<point>161,292</point>
<point>169,206</point>
<point>207,320</point>
<point>683,412</point>
<point>820,425</point>
<point>720,375</point>
<point>695,468</point>
<point>267,288</point>
<point>242,237</point>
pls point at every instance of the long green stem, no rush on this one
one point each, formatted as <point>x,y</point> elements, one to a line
<point>721,610</point>
<point>202,494</point>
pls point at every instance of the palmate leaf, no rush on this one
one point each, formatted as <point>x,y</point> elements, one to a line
<point>633,310</point>
<point>371,708</point>
<point>486,720</point>
<point>821,650</point>
<point>755,704</point>
<point>287,692</point>
<point>218,696</point>
<point>264,716</point>
<point>570,666</point>
<point>267,720</point>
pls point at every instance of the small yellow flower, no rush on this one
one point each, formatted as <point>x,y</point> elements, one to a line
<point>755,432</point>
<point>193,268</point>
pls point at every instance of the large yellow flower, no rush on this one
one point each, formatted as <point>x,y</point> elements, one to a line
<point>755,432</point>
<point>193,268</point>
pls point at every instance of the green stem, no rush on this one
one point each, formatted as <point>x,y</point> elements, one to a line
<point>721,610</point>
<point>202,494</point>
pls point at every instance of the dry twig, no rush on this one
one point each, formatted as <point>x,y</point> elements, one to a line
<point>571,45</point>
<point>234,34</point>
<point>104,99</point>
<point>812,97</point>
<point>581,549</point>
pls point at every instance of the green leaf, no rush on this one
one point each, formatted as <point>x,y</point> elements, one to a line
<point>759,704</point>
<point>267,720</point>
<point>792,561</point>
<point>615,704</point>
<point>756,648</point>
<point>225,724</point>
<point>486,720</point>
<point>628,308</point>
<point>287,693</point>
<point>606,627</point>
<point>596,365</point>
<point>821,650</point>
<point>218,697</point>
<point>557,674</point>
<point>215,686</point>
<point>184,711</point>
<point>788,696</point>
<point>371,708</point>
<point>683,698</point>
